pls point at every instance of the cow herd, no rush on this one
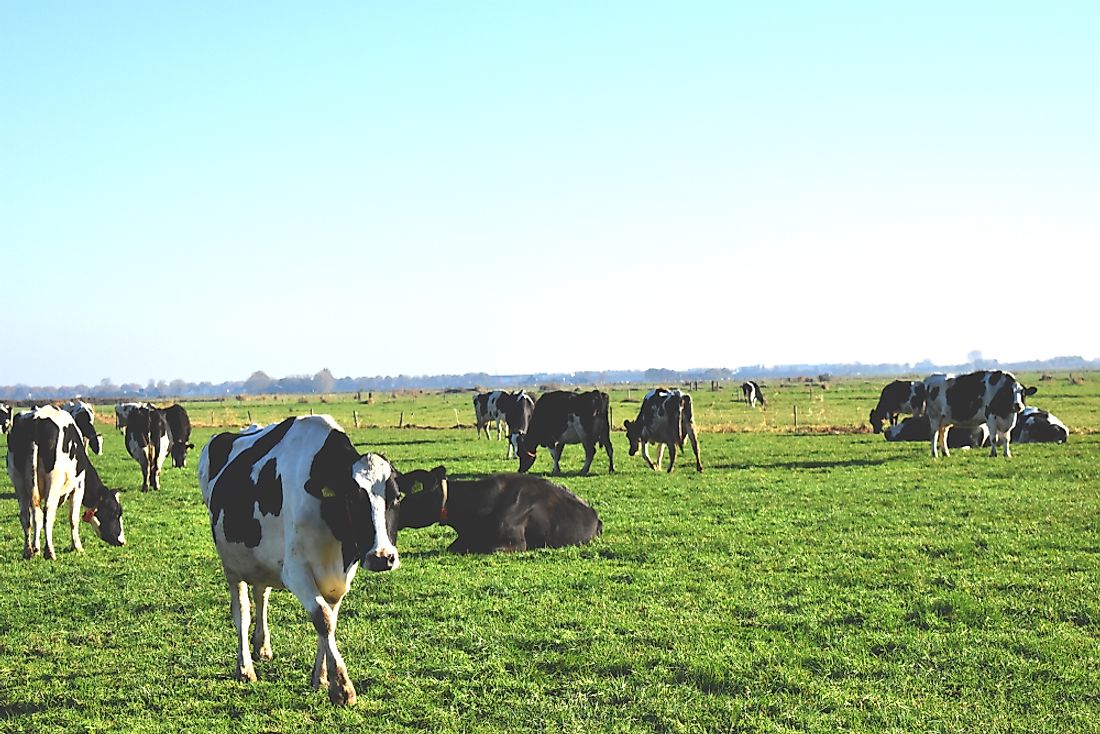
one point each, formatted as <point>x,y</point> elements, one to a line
<point>295,505</point>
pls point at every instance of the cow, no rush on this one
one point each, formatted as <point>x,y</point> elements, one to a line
<point>1039,426</point>
<point>179,434</point>
<point>122,411</point>
<point>295,506</point>
<point>84,416</point>
<point>665,418</point>
<point>900,396</point>
<point>502,512</point>
<point>993,397</point>
<point>518,409</point>
<point>6,414</point>
<point>561,418</point>
<point>917,428</point>
<point>148,441</point>
<point>487,409</point>
<point>48,465</point>
<point>753,394</point>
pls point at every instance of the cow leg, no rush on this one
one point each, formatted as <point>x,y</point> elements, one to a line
<point>25,510</point>
<point>555,454</point>
<point>645,455</point>
<point>238,606</point>
<point>589,455</point>
<point>261,635</point>
<point>74,519</point>
<point>48,520</point>
<point>660,455</point>
<point>610,456</point>
<point>671,456</point>
<point>695,448</point>
<point>328,662</point>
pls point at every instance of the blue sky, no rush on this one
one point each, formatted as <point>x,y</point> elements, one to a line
<point>201,191</point>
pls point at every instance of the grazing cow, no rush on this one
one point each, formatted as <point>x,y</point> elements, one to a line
<point>122,411</point>
<point>179,434</point>
<point>900,396</point>
<point>502,512</point>
<point>665,418</point>
<point>993,397</point>
<point>487,408</point>
<point>148,440</point>
<point>562,417</point>
<point>6,414</point>
<point>917,428</point>
<point>1039,426</point>
<point>753,394</point>
<point>84,415</point>
<point>518,409</point>
<point>295,506</point>
<point>48,465</point>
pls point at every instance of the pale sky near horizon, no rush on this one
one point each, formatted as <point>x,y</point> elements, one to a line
<point>201,190</point>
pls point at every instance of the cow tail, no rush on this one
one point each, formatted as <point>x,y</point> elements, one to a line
<point>36,495</point>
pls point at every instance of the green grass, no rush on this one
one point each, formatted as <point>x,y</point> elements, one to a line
<point>803,582</point>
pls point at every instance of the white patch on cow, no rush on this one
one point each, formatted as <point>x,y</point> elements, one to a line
<point>371,473</point>
<point>574,430</point>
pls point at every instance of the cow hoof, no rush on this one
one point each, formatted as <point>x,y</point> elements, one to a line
<point>342,695</point>
<point>263,653</point>
<point>48,554</point>
<point>246,675</point>
<point>30,552</point>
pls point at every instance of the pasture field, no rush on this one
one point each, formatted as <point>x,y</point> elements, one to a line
<point>817,580</point>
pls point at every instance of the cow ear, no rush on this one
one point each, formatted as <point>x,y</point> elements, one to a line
<point>626,425</point>
<point>190,445</point>
<point>1031,391</point>
<point>440,472</point>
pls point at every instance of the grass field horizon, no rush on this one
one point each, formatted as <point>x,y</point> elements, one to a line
<point>814,579</point>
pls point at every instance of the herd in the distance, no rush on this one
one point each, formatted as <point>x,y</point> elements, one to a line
<point>294,505</point>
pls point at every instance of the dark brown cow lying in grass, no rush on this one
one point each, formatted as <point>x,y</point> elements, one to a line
<point>502,512</point>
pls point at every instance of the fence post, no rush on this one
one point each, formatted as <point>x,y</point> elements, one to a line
<point>796,418</point>
<point>401,421</point>
<point>355,418</point>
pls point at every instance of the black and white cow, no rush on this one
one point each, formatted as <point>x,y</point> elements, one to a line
<point>665,418</point>
<point>561,418</point>
<point>48,465</point>
<point>502,512</point>
<point>753,394</point>
<point>148,441</point>
<point>917,428</point>
<point>518,409</point>
<point>295,506</point>
<point>122,411</point>
<point>84,415</point>
<point>179,433</point>
<point>488,408</point>
<point>900,396</point>
<point>6,414</point>
<point>993,397</point>
<point>1039,426</point>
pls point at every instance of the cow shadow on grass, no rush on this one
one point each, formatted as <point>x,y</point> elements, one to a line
<point>404,442</point>
<point>807,464</point>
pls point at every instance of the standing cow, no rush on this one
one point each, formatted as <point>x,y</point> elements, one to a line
<point>562,418</point>
<point>84,416</point>
<point>122,412</point>
<point>6,414</point>
<point>518,409</point>
<point>665,418</point>
<point>295,506</point>
<point>148,441</point>
<point>48,465</point>
<point>753,394</point>
<point>487,409</point>
<point>993,397</point>
<point>179,434</point>
<point>900,396</point>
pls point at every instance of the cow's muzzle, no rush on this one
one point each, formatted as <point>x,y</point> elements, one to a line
<point>383,559</point>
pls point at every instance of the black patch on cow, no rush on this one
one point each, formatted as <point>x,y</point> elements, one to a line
<point>995,377</point>
<point>234,495</point>
<point>1003,401</point>
<point>964,397</point>
<point>47,435</point>
<point>346,510</point>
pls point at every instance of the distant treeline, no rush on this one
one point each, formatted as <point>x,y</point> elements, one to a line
<point>324,382</point>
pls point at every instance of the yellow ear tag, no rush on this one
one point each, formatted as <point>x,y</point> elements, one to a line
<point>417,485</point>
<point>327,492</point>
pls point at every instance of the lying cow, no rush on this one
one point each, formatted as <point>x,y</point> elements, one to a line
<point>48,465</point>
<point>917,428</point>
<point>179,434</point>
<point>1039,426</point>
<point>665,418</point>
<point>753,394</point>
<point>84,416</point>
<point>993,397</point>
<point>900,396</point>
<point>295,506</point>
<point>562,418</point>
<point>148,441</point>
<point>502,512</point>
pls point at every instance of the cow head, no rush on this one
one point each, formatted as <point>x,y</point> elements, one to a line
<point>527,451</point>
<point>104,512</point>
<point>379,480</point>
<point>425,501</point>
<point>5,418</point>
<point>179,453</point>
<point>877,419</point>
<point>633,435</point>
